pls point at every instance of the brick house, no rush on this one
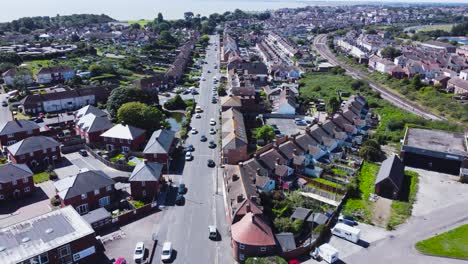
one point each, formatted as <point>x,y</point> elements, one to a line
<point>160,146</point>
<point>59,236</point>
<point>35,151</point>
<point>16,181</point>
<point>234,141</point>
<point>459,86</point>
<point>123,136</point>
<point>145,180</point>
<point>17,130</point>
<point>91,123</point>
<point>86,191</point>
<point>55,74</point>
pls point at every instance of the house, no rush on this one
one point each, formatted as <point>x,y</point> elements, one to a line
<point>35,151</point>
<point>152,84</point>
<point>59,236</point>
<point>86,191</point>
<point>145,180</point>
<point>282,72</point>
<point>301,214</point>
<point>251,236</point>
<point>459,86</point>
<point>16,181</point>
<point>234,137</point>
<point>388,182</point>
<point>54,74</point>
<point>90,127</point>
<point>439,46</point>
<point>13,74</point>
<point>123,136</point>
<point>160,147</point>
<point>286,103</point>
<point>89,109</point>
<point>379,64</point>
<point>17,130</point>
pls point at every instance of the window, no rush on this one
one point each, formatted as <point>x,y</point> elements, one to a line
<point>104,201</point>
<point>263,249</point>
<point>27,189</point>
<point>11,142</point>
<point>109,188</point>
<point>44,151</point>
<point>96,192</point>
<point>125,149</point>
<point>241,246</point>
<point>44,258</point>
<point>83,196</point>
<point>65,254</point>
<point>25,180</point>
<point>11,135</point>
<point>82,209</point>
<point>143,184</point>
<point>129,141</point>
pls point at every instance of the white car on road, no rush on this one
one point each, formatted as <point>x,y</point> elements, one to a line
<point>193,131</point>
<point>188,156</point>
<point>212,131</point>
<point>139,254</point>
<point>212,122</point>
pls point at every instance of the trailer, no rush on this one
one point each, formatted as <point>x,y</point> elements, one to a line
<point>346,232</point>
<point>325,252</point>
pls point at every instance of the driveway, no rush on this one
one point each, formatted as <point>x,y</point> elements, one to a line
<point>77,162</point>
<point>286,125</point>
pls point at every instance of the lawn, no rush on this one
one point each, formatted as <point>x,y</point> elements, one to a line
<point>401,210</point>
<point>447,28</point>
<point>453,243</point>
<point>324,85</point>
<point>40,177</point>
<point>339,171</point>
<point>117,158</point>
<point>328,183</point>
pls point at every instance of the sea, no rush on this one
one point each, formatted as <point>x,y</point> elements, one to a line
<point>148,9</point>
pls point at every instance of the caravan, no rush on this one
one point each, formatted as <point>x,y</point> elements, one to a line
<point>325,252</point>
<point>346,232</point>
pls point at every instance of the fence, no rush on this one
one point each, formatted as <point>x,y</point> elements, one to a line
<point>121,167</point>
<point>72,148</point>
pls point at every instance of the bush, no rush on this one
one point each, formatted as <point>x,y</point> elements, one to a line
<point>54,201</point>
<point>176,103</point>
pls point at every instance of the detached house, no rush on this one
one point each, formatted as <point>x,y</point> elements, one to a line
<point>459,86</point>
<point>160,146</point>
<point>55,74</point>
<point>16,181</point>
<point>145,180</point>
<point>17,130</point>
<point>35,151</point>
<point>123,136</point>
<point>86,191</point>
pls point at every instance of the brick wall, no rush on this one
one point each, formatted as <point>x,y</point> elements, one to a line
<point>91,199</point>
<point>8,189</point>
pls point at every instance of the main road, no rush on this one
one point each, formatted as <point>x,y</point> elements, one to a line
<point>320,43</point>
<point>187,226</point>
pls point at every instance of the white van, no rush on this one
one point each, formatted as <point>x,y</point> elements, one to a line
<point>166,251</point>
<point>198,109</point>
<point>346,232</point>
<point>326,252</point>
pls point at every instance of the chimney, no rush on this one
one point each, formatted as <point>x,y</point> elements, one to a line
<point>295,151</point>
<point>241,164</point>
<point>145,161</point>
<point>278,161</point>
<point>293,138</point>
<point>253,199</point>
<point>247,208</point>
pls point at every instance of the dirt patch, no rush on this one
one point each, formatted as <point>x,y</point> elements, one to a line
<point>382,211</point>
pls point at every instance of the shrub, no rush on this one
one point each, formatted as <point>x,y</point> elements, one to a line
<point>54,201</point>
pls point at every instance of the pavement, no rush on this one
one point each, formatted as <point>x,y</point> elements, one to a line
<point>320,43</point>
<point>186,226</point>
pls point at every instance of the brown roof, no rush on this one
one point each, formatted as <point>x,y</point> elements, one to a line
<point>271,157</point>
<point>253,231</point>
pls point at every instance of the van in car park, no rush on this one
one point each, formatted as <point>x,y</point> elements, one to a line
<point>346,232</point>
<point>166,251</point>
<point>325,252</point>
<point>139,254</point>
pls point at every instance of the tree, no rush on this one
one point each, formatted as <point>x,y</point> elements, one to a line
<point>266,260</point>
<point>283,224</point>
<point>140,115</point>
<point>135,26</point>
<point>160,18</point>
<point>390,52</point>
<point>416,82</point>
<point>176,103</point>
<point>166,37</point>
<point>120,96</point>
<point>371,151</point>
<point>22,79</point>
<point>333,104</point>
<point>10,57</point>
<point>266,133</point>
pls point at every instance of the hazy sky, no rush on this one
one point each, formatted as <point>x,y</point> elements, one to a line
<point>135,9</point>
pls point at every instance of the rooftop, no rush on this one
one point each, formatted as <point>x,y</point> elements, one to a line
<point>436,140</point>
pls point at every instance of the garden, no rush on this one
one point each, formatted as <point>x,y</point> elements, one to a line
<point>451,244</point>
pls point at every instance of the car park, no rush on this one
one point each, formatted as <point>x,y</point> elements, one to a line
<point>203,138</point>
<point>212,131</point>
<point>182,189</point>
<point>83,152</point>
<point>139,253</point>
<point>166,254</point>
<point>212,122</point>
<point>213,232</point>
<point>210,163</point>
<point>188,156</point>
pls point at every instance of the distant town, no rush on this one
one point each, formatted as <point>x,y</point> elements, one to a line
<point>320,134</point>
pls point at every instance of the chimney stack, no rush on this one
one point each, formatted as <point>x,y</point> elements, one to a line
<point>247,208</point>
<point>241,164</point>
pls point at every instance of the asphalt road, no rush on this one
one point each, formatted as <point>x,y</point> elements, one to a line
<point>320,43</point>
<point>5,113</point>
<point>187,226</point>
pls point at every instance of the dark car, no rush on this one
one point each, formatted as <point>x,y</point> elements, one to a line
<point>210,163</point>
<point>203,138</point>
<point>190,148</point>
<point>347,220</point>
<point>182,189</point>
<point>4,103</point>
<point>214,101</point>
<point>212,144</point>
<point>179,199</point>
<point>83,152</point>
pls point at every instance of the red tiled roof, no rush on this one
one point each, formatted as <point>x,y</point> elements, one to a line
<point>252,230</point>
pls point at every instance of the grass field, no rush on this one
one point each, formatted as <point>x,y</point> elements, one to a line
<point>141,22</point>
<point>324,85</point>
<point>447,28</point>
<point>453,243</point>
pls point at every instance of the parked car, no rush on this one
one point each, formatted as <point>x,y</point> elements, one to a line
<point>4,104</point>
<point>120,261</point>
<point>203,138</point>
<point>179,199</point>
<point>346,219</point>
<point>212,131</point>
<point>212,122</point>
<point>190,148</point>
<point>182,189</point>
<point>213,232</point>
<point>188,156</point>
<point>193,131</point>
<point>212,144</point>
<point>197,116</point>
<point>83,152</point>
<point>166,254</point>
<point>139,254</point>
<point>210,163</point>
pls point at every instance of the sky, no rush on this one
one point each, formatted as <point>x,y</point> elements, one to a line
<point>173,9</point>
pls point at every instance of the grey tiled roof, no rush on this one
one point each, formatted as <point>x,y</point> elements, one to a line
<point>147,171</point>
<point>81,183</point>
<point>16,126</point>
<point>32,144</point>
<point>160,141</point>
<point>393,170</point>
<point>11,172</point>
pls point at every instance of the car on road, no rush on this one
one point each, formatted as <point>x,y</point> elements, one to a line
<point>193,131</point>
<point>212,122</point>
<point>198,109</point>
<point>188,156</point>
<point>213,232</point>
<point>214,89</point>
<point>214,100</point>
<point>182,189</point>
<point>212,144</point>
<point>346,219</point>
<point>203,138</point>
<point>4,104</point>
<point>179,199</point>
<point>83,152</point>
<point>190,148</point>
<point>166,254</point>
<point>139,254</point>
<point>203,79</point>
<point>212,131</point>
<point>209,71</point>
<point>197,116</point>
<point>210,163</point>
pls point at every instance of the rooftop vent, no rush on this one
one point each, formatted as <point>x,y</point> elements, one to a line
<point>25,239</point>
<point>49,230</point>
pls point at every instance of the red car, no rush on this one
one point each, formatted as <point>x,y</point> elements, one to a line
<point>120,261</point>
<point>294,261</point>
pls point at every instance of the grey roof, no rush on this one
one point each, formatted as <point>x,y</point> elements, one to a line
<point>89,109</point>
<point>160,141</point>
<point>94,123</point>
<point>96,215</point>
<point>301,213</point>
<point>11,172</point>
<point>286,241</point>
<point>40,234</point>
<point>317,218</point>
<point>81,183</point>
<point>147,171</point>
<point>16,126</point>
<point>392,169</point>
<point>32,144</point>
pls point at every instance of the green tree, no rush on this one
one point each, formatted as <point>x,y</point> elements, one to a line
<point>166,37</point>
<point>416,82</point>
<point>371,151</point>
<point>283,224</point>
<point>176,103</point>
<point>120,96</point>
<point>140,115</point>
<point>333,104</point>
<point>10,57</point>
<point>22,79</point>
<point>160,18</point>
<point>266,260</point>
<point>390,52</point>
<point>266,132</point>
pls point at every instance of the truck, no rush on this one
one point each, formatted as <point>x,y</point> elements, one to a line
<point>325,252</point>
<point>346,232</point>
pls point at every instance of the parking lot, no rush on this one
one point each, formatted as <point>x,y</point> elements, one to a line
<point>286,125</point>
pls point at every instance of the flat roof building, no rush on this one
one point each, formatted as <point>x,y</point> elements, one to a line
<point>434,150</point>
<point>60,236</point>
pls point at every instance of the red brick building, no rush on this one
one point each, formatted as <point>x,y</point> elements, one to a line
<point>60,236</point>
<point>145,180</point>
<point>36,152</point>
<point>91,123</point>
<point>17,130</point>
<point>124,137</point>
<point>16,181</point>
<point>160,146</point>
<point>86,191</point>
